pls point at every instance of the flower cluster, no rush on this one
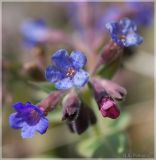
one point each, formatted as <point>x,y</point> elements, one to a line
<point>67,72</point>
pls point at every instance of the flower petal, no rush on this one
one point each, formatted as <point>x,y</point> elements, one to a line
<point>53,74</point>
<point>42,126</point>
<point>62,60</point>
<point>78,59</point>
<point>80,78</point>
<point>19,107</point>
<point>15,121</point>
<point>64,84</point>
<point>26,108</point>
<point>28,131</point>
<point>133,39</point>
<point>113,27</point>
<point>127,25</point>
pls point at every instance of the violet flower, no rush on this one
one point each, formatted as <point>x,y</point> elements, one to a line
<point>29,118</point>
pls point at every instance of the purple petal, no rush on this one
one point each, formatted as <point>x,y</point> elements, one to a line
<point>19,106</point>
<point>42,126</point>
<point>53,74</point>
<point>78,59</point>
<point>15,121</point>
<point>28,131</point>
<point>112,27</point>
<point>62,60</point>
<point>80,78</point>
<point>64,84</point>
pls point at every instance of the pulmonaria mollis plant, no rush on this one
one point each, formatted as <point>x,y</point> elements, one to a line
<point>73,76</point>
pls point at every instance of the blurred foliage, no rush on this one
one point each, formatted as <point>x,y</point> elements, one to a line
<point>43,86</point>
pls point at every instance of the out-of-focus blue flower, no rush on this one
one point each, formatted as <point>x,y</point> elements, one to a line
<point>33,31</point>
<point>124,33</point>
<point>111,14</point>
<point>73,9</point>
<point>29,119</point>
<point>66,70</point>
<point>144,12</point>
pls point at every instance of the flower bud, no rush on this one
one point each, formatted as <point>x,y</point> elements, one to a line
<point>85,118</point>
<point>106,92</point>
<point>71,107</point>
<point>110,88</point>
<point>108,108</point>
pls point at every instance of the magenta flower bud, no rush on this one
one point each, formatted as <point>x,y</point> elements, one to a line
<point>106,93</point>
<point>71,107</point>
<point>109,108</point>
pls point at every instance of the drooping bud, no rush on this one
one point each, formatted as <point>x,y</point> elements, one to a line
<point>106,92</point>
<point>85,118</point>
<point>71,107</point>
<point>109,108</point>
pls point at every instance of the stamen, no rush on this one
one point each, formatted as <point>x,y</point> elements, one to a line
<point>70,72</point>
<point>122,38</point>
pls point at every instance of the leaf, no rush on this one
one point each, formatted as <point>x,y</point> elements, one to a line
<point>88,146</point>
<point>108,70</point>
<point>113,146</point>
<point>44,86</point>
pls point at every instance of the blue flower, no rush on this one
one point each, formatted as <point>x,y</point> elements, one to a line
<point>124,33</point>
<point>66,70</point>
<point>33,31</point>
<point>29,119</point>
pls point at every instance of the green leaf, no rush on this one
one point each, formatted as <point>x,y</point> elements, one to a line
<point>88,146</point>
<point>44,86</point>
<point>113,146</point>
<point>108,70</point>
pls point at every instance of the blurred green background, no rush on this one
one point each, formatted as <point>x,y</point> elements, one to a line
<point>132,134</point>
